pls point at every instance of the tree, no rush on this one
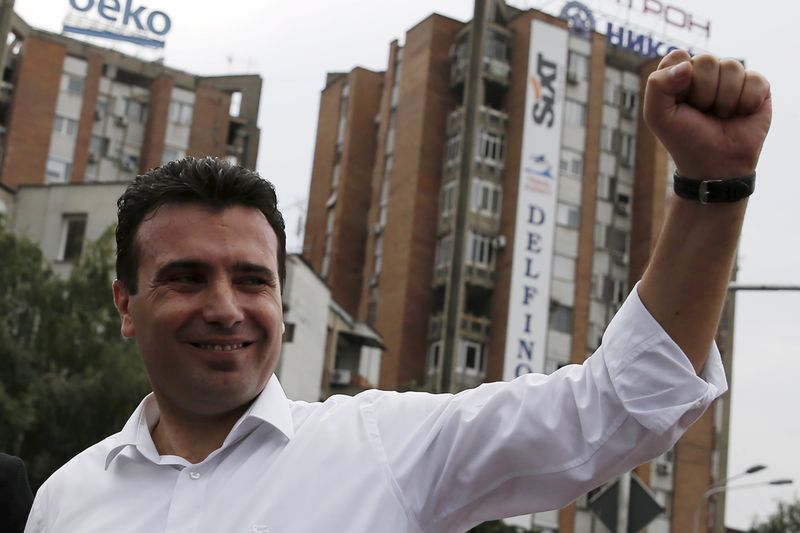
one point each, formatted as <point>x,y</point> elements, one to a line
<point>68,378</point>
<point>785,520</point>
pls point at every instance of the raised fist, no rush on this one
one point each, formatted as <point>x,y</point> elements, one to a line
<point>711,114</point>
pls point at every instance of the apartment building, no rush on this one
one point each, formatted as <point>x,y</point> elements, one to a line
<point>488,201</point>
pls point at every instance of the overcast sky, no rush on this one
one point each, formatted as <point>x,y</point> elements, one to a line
<point>293,44</point>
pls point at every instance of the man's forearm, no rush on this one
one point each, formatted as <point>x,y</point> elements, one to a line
<point>685,285</point>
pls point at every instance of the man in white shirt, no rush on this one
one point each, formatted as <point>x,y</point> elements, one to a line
<point>218,447</point>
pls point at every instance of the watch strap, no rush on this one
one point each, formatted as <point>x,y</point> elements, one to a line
<point>714,191</point>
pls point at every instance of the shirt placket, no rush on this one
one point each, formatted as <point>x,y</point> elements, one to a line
<point>188,500</point>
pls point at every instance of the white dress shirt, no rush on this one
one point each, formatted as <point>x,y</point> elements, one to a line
<point>390,462</point>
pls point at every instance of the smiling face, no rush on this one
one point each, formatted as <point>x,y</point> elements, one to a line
<point>207,315</point>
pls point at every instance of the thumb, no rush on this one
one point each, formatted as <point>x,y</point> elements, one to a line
<point>666,88</point>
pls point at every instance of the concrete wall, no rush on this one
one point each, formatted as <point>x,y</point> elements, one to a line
<point>306,300</point>
<point>38,214</point>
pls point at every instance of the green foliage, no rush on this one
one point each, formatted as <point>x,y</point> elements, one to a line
<point>785,520</point>
<point>68,378</point>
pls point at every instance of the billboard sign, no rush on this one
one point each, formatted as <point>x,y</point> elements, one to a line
<point>621,33</point>
<point>119,20</point>
<point>534,235</point>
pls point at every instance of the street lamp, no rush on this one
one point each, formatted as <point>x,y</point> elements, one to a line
<point>724,487</point>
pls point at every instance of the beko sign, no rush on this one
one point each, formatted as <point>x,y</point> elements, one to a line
<point>121,21</point>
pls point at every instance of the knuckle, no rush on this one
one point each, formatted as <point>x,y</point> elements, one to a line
<point>705,62</point>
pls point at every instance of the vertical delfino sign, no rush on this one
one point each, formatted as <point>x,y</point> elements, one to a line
<point>534,235</point>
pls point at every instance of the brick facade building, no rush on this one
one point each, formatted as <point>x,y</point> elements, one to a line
<point>413,215</point>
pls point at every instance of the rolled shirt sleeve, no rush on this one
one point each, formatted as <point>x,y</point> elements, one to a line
<point>538,442</point>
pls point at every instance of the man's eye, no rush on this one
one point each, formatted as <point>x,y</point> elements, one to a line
<point>254,281</point>
<point>185,278</point>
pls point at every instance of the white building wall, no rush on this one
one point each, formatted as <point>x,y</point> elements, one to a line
<point>39,211</point>
<point>307,299</point>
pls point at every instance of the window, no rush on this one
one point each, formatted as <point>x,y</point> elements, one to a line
<point>98,145</point>
<point>443,250</point>
<point>606,186</point>
<point>577,67</point>
<point>491,147</point>
<point>337,170</point>
<point>135,110</point>
<point>617,240</point>
<point>572,164</point>
<point>453,149</point>
<point>180,113</point>
<point>171,154</point>
<point>568,215</point>
<point>628,100</point>
<point>560,318</point>
<point>473,358</point>
<point>101,106</point>
<point>73,231</point>
<point>574,113</point>
<point>611,92</point>
<point>328,239</point>
<point>57,171</point>
<point>378,255</point>
<point>65,126</point>
<point>496,46</point>
<point>480,251</point>
<point>434,355</point>
<point>486,198</point>
<point>607,138</point>
<point>129,162</point>
<point>447,198</point>
<point>626,147</point>
<point>71,83</point>
<point>236,104</point>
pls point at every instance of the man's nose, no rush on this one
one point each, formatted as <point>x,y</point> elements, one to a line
<point>222,305</point>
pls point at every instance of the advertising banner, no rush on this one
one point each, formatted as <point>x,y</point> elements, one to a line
<point>534,235</point>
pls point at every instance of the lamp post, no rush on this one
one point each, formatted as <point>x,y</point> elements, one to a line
<point>716,489</point>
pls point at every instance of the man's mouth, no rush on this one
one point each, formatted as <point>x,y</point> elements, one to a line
<point>220,347</point>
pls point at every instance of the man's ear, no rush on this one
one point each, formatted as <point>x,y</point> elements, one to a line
<point>122,301</point>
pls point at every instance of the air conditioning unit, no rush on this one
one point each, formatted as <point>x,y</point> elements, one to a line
<point>128,165</point>
<point>122,122</point>
<point>341,376</point>
<point>93,158</point>
<point>664,469</point>
<point>377,228</point>
<point>620,257</point>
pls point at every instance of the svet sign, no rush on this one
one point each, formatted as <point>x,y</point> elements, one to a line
<point>122,21</point>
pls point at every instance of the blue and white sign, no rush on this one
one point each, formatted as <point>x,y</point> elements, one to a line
<point>119,20</point>
<point>534,234</point>
<point>582,20</point>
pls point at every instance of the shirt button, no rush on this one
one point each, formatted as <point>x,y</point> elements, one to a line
<point>194,475</point>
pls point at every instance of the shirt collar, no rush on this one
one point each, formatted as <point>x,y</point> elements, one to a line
<point>270,406</point>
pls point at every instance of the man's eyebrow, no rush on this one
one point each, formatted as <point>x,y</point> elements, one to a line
<point>253,268</point>
<point>182,264</point>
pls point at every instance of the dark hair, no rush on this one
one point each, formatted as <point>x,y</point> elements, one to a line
<point>210,182</point>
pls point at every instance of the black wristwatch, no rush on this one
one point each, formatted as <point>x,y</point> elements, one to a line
<point>714,191</point>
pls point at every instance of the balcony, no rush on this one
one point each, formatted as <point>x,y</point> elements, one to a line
<point>497,70</point>
<point>6,91</point>
<point>455,121</point>
<point>493,118</point>
<point>435,326</point>
<point>475,327</point>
